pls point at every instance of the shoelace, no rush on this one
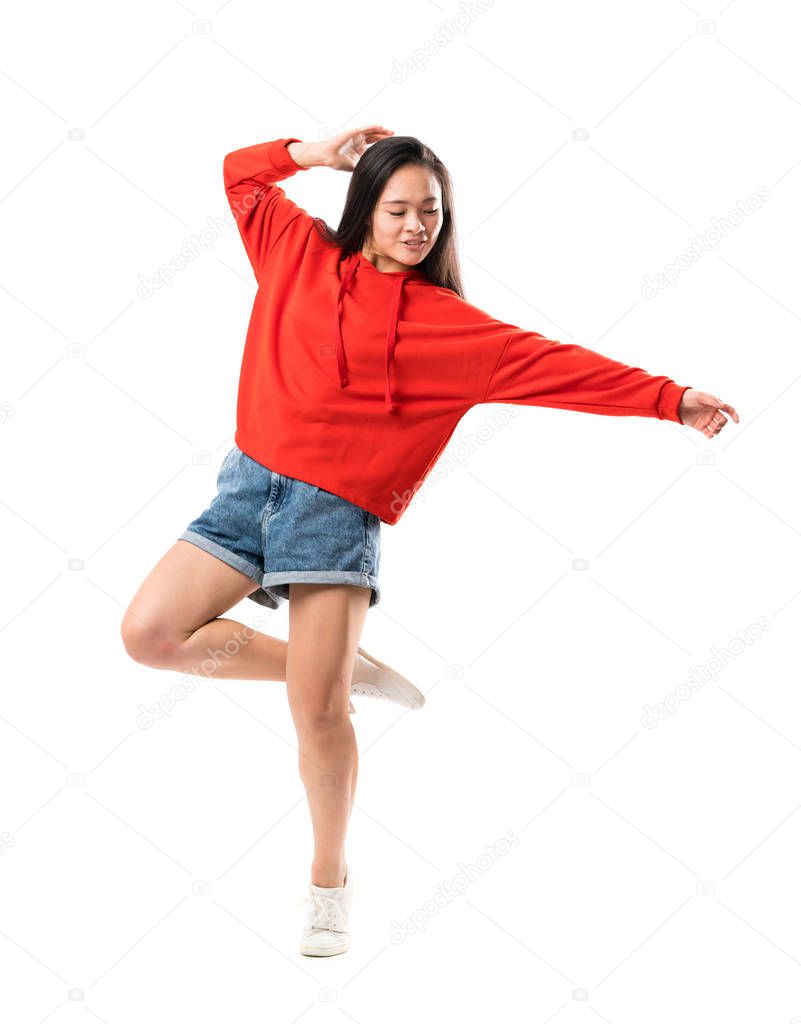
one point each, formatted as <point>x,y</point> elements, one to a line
<point>325,907</point>
<point>368,690</point>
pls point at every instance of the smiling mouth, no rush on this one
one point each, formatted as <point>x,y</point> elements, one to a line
<point>415,245</point>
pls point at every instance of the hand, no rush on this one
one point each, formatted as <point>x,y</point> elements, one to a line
<point>703,411</point>
<point>342,153</point>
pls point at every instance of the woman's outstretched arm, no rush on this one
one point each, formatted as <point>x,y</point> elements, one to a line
<point>535,370</point>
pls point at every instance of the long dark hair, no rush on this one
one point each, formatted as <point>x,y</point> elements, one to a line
<point>373,169</point>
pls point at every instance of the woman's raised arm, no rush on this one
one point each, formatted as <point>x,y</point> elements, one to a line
<point>262,211</point>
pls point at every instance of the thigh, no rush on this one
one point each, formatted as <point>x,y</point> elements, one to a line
<point>325,624</point>
<point>187,588</point>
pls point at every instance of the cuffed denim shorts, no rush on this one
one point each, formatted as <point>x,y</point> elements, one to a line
<point>279,530</point>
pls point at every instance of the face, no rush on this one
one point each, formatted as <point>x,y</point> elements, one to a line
<point>409,210</point>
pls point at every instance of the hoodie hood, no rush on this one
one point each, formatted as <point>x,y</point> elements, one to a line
<point>355,263</point>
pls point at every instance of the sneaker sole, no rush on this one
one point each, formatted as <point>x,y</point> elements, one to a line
<point>306,951</point>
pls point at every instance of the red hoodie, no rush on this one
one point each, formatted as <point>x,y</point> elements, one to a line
<point>354,379</point>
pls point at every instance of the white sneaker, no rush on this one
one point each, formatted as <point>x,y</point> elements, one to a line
<point>327,930</point>
<point>385,683</point>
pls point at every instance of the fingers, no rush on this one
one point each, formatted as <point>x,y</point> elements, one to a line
<point>724,407</point>
<point>715,425</point>
<point>371,131</point>
<point>366,130</point>
<point>730,410</point>
<point>718,420</point>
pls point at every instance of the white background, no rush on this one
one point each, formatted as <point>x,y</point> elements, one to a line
<point>651,871</point>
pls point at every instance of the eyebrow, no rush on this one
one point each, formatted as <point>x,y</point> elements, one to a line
<point>427,199</point>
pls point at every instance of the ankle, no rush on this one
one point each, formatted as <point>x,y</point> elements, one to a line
<point>328,876</point>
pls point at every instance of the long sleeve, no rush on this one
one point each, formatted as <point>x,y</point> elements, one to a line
<point>262,211</point>
<point>534,370</point>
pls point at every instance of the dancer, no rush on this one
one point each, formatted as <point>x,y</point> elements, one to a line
<point>361,357</point>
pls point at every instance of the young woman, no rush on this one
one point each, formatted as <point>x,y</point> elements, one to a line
<point>361,357</point>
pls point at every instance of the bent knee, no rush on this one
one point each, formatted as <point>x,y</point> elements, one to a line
<point>320,723</point>
<point>320,713</point>
<point>147,644</point>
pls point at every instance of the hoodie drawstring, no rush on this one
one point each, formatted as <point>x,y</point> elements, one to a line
<point>392,333</point>
<point>392,328</point>
<point>344,284</point>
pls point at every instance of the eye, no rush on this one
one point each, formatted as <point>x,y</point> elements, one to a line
<point>400,214</point>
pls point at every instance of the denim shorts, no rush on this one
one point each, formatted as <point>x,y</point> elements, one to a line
<point>278,530</point>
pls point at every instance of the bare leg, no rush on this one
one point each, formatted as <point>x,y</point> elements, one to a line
<point>172,623</point>
<point>325,623</point>
<point>173,620</point>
